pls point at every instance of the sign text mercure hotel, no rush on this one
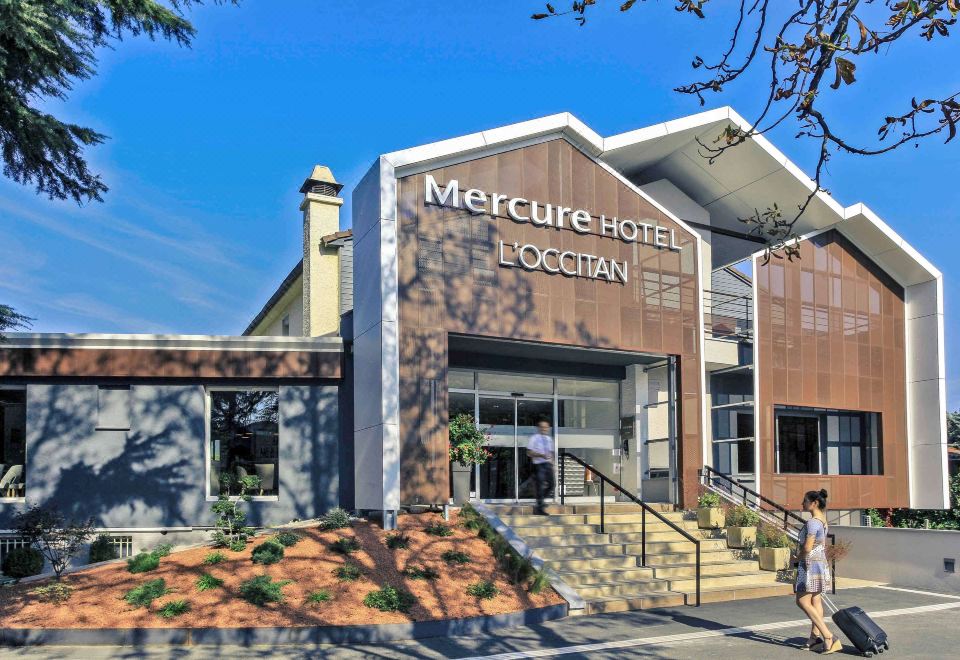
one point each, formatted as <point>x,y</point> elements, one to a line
<point>552,260</point>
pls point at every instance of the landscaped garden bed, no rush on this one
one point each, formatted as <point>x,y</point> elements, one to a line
<point>345,576</point>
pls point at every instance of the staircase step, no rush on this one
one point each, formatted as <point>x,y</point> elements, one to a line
<point>657,536</point>
<point>582,551</point>
<point>592,563</point>
<point>667,571</point>
<point>680,545</point>
<point>594,507</point>
<point>622,589</point>
<point>731,581</point>
<point>575,578</point>
<point>589,519</point>
<point>530,531</point>
<point>648,600</point>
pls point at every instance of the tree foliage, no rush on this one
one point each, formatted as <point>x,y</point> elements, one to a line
<point>46,46</point>
<point>811,48</point>
<point>57,539</point>
<point>11,319</point>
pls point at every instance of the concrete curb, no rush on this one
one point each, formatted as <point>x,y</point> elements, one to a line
<point>368,634</point>
<point>575,602</point>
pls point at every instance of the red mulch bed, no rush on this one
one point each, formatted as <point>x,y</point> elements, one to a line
<point>97,599</point>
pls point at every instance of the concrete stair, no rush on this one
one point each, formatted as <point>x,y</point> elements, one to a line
<point>605,568</point>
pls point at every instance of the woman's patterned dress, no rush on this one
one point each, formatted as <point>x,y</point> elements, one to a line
<point>813,571</point>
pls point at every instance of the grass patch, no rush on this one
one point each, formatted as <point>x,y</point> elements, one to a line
<point>214,558</point>
<point>321,596</point>
<point>206,582</point>
<point>438,529</point>
<point>347,572</point>
<point>55,592</point>
<point>262,589</point>
<point>148,561</point>
<point>420,573</point>
<point>174,609</point>
<point>539,581</point>
<point>146,593</point>
<point>268,552</point>
<point>345,545</point>
<point>484,590</point>
<point>389,599</point>
<point>287,539</point>
<point>397,541</point>
<point>455,557</point>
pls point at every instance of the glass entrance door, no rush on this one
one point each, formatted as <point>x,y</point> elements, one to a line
<point>529,414</point>
<point>510,421</point>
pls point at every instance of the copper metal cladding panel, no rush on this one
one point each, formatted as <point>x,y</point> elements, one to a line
<point>830,334</point>
<point>450,280</point>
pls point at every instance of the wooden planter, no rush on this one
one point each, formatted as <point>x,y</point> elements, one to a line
<point>710,517</point>
<point>741,537</point>
<point>774,559</point>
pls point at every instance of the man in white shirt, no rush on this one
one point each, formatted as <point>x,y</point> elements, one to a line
<point>540,451</point>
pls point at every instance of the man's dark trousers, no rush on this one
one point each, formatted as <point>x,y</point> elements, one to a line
<point>543,482</point>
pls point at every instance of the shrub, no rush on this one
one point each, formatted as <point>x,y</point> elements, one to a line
<point>214,558</point>
<point>398,541</point>
<point>438,529</point>
<point>230,520</point>
<point>484,589</point>
<point>103,549</point>
<point>838,551</point>
<point>23,562</point>
<point>389,599</point>
<point>55,592</point>
<point>268,552</point>
<point>237,545</point>
<point>742,516</point>
<point>321,596</point>
<point>771,536</point>
<point>709,500</point>
<point>345,545</point>
<point>162,550</point>
<point>57,539</point>
<point>206,582</point>
<point>148,561</point>
<point>287,539</point>
<point>455,557</point>
<point>347,572</point>
<point>539,581</point>
<point>467,442</point>
<point>261,590</point>
<point>335,518</point>
<point>421,573</point>
<point>174,608</point>
<point>146,593</point>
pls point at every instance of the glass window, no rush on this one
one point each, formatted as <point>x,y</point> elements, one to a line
<point>461,403</point>
<point>510,383</point>
<point>848,442</point>
<point>13,423</point>
<point>244,440</point>
<point>460,380</point>
<point>581,414</point>
<point>798,444</point>
<point>592,388</point>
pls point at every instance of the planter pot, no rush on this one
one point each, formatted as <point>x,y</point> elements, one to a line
<point>461,483</point>
<point>710,518</point>
<point>774,559</point>
<point>741,537</point>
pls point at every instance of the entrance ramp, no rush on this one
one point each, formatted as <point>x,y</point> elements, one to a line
<point>605,567</point>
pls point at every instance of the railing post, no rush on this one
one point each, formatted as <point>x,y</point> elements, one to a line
<point>698,573</point>
<point>643,538</point>
<point>833,565</point>
<point>563,488</point>
<point>603,483</point>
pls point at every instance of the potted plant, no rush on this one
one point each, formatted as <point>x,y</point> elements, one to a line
<point>774,548</point>
<point>466,450</point>
<point>741,523</point>
<point>709,511</point>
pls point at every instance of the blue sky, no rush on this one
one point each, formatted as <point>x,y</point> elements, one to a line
<point>209,145</point>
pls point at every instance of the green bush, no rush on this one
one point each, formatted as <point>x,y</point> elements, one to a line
<point>214,558</point>
<point>55,592</point>
<point>709,501</point>
<point>347,572</point>
<point>321,596</point>
<point>262,589</point>
<point>146,593</point>
<point>148,561</point>
<point>162,550</point>
<point>103,549</point>
<point>206,582</point>
<point>421,573</point>
<point>335,518</point>
<point>23,562</point>
<point>455,557</point>
<point>438,529</point>
<point>268,552</point>
<point>237,545</point>
<point>287,539</point>
<point>398,541</point>
<point>742,516</point>
<point>174,608</point>
<point>771,536</point>
<point>539,581</point>
<point>485,590</point>
<point>389,599</point>
<point>345,545</point>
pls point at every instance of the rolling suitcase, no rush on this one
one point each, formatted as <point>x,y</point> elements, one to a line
<point>859,628</point>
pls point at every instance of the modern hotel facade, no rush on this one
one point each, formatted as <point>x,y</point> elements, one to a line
<point>535,271</point>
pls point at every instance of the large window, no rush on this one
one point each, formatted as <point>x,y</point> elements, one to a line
<point>818,441</point>
<point>13,425</point>
<point>244,440</point>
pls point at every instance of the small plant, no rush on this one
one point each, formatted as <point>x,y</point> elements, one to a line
<point>347,572</point>
<point>398,541</point>
<point>174,608</point>
<point>214,558</point>
<point>57,539</point>
<point>103,549</point>
<point>438,529</point>
<point>836,552</point>
<point>389,599</point>
<point>237,545</point>
<point>539,581</point>
<point>345,545</point>
<point>771,536</point>
<point>335,518</point>
<point>321,596</point>
<point>206,582</point>
<point>421,573</point>
<point>162,550</point>
<point>230,519</point>
<point>55,592</point>
<point>467,441</point>
<point>742,516</point>
<point>268,552</point>
<point>23,562</point>
<point>455,557</point>
<point>261,590</point>
<point>146,593</point>
<point>484,590</point>
<point>287,539</point>
<point>709,500</point>
<point>148,561</point>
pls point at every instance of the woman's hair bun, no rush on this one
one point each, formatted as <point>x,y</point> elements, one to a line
<point>823,493</point>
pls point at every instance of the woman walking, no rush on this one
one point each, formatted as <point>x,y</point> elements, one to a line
<point>813,572</point>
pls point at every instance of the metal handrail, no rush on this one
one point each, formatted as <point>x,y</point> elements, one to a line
<point>707,474</point>
<point>604,479</point>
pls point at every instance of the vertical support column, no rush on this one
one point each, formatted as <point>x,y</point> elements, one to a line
<point>672,427</point>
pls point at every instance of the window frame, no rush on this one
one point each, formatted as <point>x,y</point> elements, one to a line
<point>776,428</point>
<point>19,500</point>
<point>207,390</point>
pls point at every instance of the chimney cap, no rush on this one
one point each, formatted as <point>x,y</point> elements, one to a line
<point>321,180</point>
